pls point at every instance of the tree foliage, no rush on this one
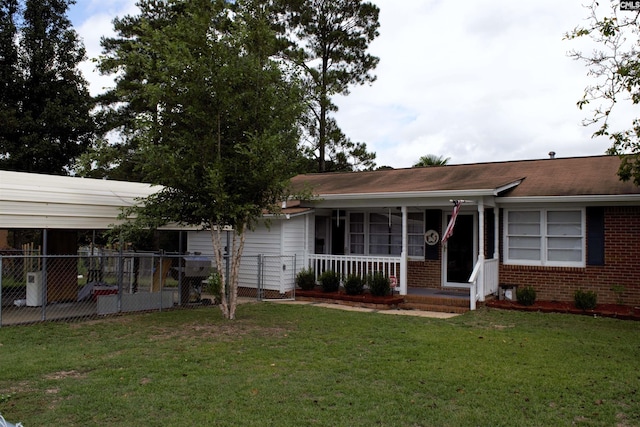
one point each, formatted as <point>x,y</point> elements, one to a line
<point>207,112</point>
<point>431,160</point>
<point>615,68</point>
<point>330,39</point>
<point>44,102</point>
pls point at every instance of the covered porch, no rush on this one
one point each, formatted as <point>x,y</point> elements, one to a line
<point>405,243</point>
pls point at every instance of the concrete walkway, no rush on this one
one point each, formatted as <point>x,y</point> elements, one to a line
<point>416,313</point>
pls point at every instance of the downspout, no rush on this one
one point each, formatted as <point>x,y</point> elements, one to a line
<point>403,254</point>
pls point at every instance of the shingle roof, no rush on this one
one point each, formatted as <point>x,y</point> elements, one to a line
<point>548,177</point>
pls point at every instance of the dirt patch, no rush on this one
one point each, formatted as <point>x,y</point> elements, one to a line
<point>618,311</point>
<point>227,331</point>
<point>60,375</point>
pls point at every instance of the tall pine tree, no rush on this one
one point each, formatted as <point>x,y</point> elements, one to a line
<point>46,105</point>
<point>330,39</point>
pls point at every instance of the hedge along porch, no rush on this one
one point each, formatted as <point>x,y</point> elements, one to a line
<point>556,224</point>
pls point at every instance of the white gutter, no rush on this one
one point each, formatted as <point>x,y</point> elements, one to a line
<point>628,199</point>
<point>447,194</point>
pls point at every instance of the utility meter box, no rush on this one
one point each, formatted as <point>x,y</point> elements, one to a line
<point>34,289</point>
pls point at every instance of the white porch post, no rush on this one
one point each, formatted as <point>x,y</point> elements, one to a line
<point>481,249</point>
<point>496,234</point>
<point>403,254</point>
<point>305,251</point>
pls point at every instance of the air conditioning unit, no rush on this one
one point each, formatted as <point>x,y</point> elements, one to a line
<point>34,289</point>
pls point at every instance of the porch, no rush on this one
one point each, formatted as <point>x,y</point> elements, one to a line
<point>482,282</point>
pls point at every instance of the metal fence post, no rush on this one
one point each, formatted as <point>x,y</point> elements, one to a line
<point>0,291</point>
<point>120,275</point>
<point>161,279</point>
<point>45,284</point>
<point>260,284</point>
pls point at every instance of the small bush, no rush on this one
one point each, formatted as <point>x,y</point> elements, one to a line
<point>354,285</point>
<point>526,295</point>
<point>306,279</point>
<point>214,286</point>
<point>379,284</point>
<point>330,281</point>
<point>585,300</point>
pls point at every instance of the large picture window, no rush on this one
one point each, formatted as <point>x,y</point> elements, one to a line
<point>377,233</point>
<point>385,234</point>
<point>545,237</point>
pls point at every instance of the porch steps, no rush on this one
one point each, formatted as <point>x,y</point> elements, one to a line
<point>435,303</point>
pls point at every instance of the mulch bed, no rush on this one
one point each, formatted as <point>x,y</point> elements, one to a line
<point>366,298</point>
<point>624,312</point>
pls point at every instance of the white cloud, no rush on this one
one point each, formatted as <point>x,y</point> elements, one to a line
<point>93,19</point>
<point>474,81</point>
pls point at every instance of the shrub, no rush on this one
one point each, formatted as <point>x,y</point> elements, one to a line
<point>214,286</point>
<point>526,295</point>
<point>330,281</point>
<point>585,300</point>
<point>354,285</point>
<point>306,279</point>
<point>379,284</point>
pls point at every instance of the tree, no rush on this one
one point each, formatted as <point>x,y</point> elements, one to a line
<point>342,155</point>
<point>45,103</point>
<point>331,38</point>
<point>431,160</point>
<point>615,67</point>
<point>214,118</point>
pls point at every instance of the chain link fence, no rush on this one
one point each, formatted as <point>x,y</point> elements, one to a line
<point>100,282</point>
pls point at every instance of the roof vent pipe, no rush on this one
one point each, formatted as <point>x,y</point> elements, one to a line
<point>552,154</point>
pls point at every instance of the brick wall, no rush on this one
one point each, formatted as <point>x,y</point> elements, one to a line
<point>424,274</point>
<point>618,281</point>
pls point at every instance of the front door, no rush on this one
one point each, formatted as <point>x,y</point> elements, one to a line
<point>460,252</point>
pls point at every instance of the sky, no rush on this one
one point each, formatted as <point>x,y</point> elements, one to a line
<point>472,81</point>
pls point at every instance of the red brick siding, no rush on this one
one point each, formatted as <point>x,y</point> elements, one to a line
<point>424,274</point>
<point>621,269</point>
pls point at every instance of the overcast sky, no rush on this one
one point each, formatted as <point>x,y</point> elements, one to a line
<point>474,81</point>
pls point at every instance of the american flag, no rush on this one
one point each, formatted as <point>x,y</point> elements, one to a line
<point>448,232</point>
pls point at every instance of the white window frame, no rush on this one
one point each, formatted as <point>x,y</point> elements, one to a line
<point>544,239</point>
<point>367,234</point>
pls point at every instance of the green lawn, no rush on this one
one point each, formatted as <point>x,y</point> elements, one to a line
<point>286,365</point>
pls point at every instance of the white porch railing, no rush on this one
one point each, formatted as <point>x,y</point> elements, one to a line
<point>489,283</point>
<point>345,265</point>
<point>490,277</point>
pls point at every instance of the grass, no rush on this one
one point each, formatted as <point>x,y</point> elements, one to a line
<point>285,365</point>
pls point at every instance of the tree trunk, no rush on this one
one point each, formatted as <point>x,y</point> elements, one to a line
<point>229,290</point>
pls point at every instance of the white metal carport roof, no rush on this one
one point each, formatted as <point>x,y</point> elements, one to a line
<point>29,200</point>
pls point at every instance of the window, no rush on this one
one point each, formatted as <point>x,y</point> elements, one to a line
<point>545,237</point>
<point>384,235</point>
<point>356,233</point>
<point>415,231</point>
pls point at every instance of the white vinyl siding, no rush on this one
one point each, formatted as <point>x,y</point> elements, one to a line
<point>545,237</point>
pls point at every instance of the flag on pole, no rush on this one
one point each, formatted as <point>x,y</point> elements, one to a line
<point>448,232</point>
